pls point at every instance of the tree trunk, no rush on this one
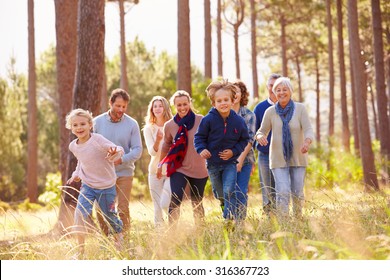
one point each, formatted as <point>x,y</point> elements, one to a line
<point>237,53</point>
<point>104,98</point>
<point>384,128</point>
<point>283,45</point>
<point>343,83</point>
<point>88,85</point>
<point>254,50</point>
<point>367,155</point>
<point>375,119</point>
<point>219,38</point>
<point>207,40</point>
<point>183,46</point>
<point>124,83</point>
<point>90,56</point>
<point>298,65</point>
<point>387,32</point>
<point>354,109</point>
<point>66,47</point>
<point>331,68</point>
<point>318,111</point>
<point>32,144</point>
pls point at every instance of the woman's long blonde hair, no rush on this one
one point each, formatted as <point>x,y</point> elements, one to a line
<point>151,118</point>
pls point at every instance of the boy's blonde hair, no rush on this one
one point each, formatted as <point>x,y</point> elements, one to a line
<point>214,86</point>
<point>77,112</point>
<point>150,117</point>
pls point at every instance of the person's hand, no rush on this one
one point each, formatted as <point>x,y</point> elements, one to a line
<point>111,151</point>
<point>118,161</point>
<point>239,166</point>
<point>159,135</point>
<point>226,154</point>
<point>205,154</point>
<point>113,156</point>
<point>73,179</point>
<point>306,146</point>
<point>159,172</point>
<point>262,140</point>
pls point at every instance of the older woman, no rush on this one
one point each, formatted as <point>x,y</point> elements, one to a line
<point>292,135</point>
<point>184,164</point>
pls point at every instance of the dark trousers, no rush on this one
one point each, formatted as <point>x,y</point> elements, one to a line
<point>179,182</point>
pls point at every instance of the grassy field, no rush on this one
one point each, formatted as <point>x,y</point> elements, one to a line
<point>337,224</point>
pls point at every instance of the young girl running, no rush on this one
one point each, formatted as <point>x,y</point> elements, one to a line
<point>158,114</point>
<point>95,168</point>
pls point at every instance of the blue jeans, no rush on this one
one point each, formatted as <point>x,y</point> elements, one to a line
<point>267,183</point>
<point>223,179</point>
<point>106,201</point>
<point>242,190</point>
<point>289,182</point>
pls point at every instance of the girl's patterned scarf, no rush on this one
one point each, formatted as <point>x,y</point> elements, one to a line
<point>177,152</point>
<point>286,114</point>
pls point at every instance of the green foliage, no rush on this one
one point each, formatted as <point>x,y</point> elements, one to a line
<point>4,206</point>
<point>200,100</point>
<point>13,139</point>
<point>13,120</point>
<point>48,126</point>
<point>26,205</point>
<point>329,168</point>
<point>140,190</point>
<point>52,193</point>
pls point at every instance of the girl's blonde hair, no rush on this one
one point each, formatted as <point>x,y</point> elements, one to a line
<point>214,86</point>
<point>150,117</point>
<point>77,112</point>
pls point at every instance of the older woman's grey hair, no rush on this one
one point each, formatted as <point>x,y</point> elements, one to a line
<point>284,81</point>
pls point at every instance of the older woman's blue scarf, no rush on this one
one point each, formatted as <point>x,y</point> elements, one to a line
<point>286,114</point>
<point>178,150</point>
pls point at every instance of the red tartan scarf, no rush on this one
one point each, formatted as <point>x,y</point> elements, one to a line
<point>177,152</point>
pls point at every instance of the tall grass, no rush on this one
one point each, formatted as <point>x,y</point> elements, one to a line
<point>337,224</point>
<point>340,221</point>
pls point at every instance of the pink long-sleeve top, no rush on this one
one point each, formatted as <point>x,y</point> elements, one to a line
<point>92,166</point>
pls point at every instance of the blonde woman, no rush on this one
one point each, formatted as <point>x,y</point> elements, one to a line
<point>184,165</point>
<point>158,114</point>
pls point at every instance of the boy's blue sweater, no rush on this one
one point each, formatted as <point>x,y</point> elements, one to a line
<point>216,135</point>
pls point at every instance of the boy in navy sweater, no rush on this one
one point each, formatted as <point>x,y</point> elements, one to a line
<point>221,137</point>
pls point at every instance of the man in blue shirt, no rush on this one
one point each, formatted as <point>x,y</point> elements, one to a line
<point>266,178</point>
<point>122,130</point>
